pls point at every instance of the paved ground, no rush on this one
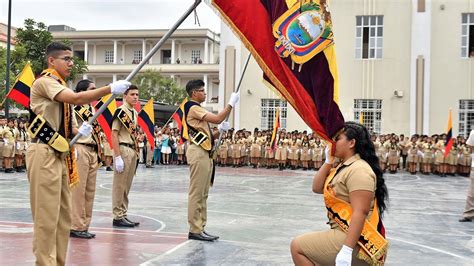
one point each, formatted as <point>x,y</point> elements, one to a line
<point>255,211</point>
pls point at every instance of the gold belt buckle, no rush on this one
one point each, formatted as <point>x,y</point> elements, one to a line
<point>199,138</point>
<point>36,125</point>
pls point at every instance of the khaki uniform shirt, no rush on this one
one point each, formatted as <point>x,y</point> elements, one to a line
<point>356,175</point>
<point>194,119</point>
<point>9,134</point>
<point>124,136</point>
<point>89,139</point>
<point>42,101</point>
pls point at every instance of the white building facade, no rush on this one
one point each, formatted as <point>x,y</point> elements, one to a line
<point>112,55</point>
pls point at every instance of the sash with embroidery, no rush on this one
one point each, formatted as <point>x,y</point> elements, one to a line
<point>65,130</point>
<point>85,114</point>
<point>129,125</point>
<point>372,242</point>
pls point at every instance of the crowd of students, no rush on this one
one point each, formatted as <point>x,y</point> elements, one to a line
<point>291,150</point>
<point>303,150</point>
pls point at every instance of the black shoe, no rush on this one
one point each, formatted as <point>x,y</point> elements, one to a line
<point>20,170</point>
<point>134,223</point>
<point>122,223</point>
<point>149,166</point>
<point>207,234</point>
<point>200,236</point>
<point>91,234</point>
<point>80,234</point>
<point>108,168</point>
<point>9,170</point>
<point>465,219</point>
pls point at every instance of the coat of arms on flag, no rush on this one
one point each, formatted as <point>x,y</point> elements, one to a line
<point>303,31</point>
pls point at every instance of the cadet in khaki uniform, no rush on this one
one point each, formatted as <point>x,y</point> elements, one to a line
<point>468,214</point>
<point>87,165</point>
<point>9,145</point>
<point>200,163</point>
<point>21,145</point>
<point>50,195</point>
<point>125,148</point>
<point>3,123</point>
<point>358,181</point>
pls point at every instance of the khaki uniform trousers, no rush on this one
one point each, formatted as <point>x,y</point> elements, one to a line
<point>469,210</point>
<point>200,166</point>
<point>149,154</point>
<point>1,153</point>
<point>123,182</point>
<point>83,194</point>
<point>50,200</point>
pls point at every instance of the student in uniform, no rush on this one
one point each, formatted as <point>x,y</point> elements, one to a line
<point>125,149</point>
<point>87,150</point>
<point>199,155</point>
<point>50,170</point>
<point>21,146</point>
<point>9,145</point>
<point>355,195</point>
<point>468,214</point>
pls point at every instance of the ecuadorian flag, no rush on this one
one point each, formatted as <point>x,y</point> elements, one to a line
<point>146,120</point>
<point>105,119</point>
<point>449,135</point>
<point>293,43</point>
<point>180,118</point>
<point>20,92</point>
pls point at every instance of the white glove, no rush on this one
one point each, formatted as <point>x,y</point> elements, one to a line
<point>224,126</point>
<point>329,159</point>
<point>5,141</point>
<point>344,257</point>
<point>118,163</point>
<point>234,98</point>
<point>119,87</point>
<point>85,129</point>
<point>26,146</point>
<point>76,154</point>
<point>17,145</point>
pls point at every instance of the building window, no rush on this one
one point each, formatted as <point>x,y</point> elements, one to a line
<point>166,56</point>
<point>196,56</point>
<point>371,111</point>
<point>467,35</point>
<point>369,37</point>
<point>109,56</point>
<point>466,117</point>
<point>137,56</point>
<point>268,111</point>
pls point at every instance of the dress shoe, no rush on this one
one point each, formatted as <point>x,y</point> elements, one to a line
<point>134,223</point>
<point>465,219</point>
<point>149,166</point>
<point>213,236</point>
<point>20,170</point>
<point>80,234</point>
<point>122,223</point>
<point>200,236</point>
<point>108,168</point>
<point>91,234</point>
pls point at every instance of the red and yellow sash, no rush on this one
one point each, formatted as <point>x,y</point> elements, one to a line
<point>372,242</point>
<point>67,122</point>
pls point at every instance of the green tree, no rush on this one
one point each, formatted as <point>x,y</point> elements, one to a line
<point>152,84</point>
<point>34,37</point>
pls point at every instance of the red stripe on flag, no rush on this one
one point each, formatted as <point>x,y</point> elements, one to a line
<point>149,136</point>
<point>19,98</point>
<point>106,129</point>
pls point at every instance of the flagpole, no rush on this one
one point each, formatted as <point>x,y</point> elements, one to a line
<point>7,77</point>
<point>142,63</point>
<point>216,145</point>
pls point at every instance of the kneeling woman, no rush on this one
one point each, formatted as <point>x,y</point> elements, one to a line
<point>355,195</point>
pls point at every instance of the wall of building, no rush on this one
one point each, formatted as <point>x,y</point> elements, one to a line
<point>452,77</point>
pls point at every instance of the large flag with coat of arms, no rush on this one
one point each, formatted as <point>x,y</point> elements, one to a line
<point>293,43</point>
